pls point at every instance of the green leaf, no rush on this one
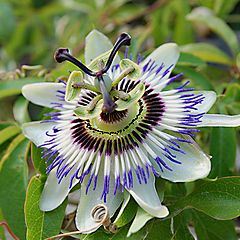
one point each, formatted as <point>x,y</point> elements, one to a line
<point>2,234</point>
<point>233,108</point>
<point>219,199</point>
<point>13,182</point>
<point>197,77</point>
<point>127,213</point>
<point>208,228</point>
<point>223,149</point>
<point>229,103</point>
<point>207,52</point>
<point>181,8</point>
<point>99,234</point>
<point>207,3</point>
<point>223,7</point>
<point>8,133</point>
<point>8,21</point>
<point>20,110</point>
<point>153,230</point>
<point>180,226</point>
<point>178,189</point>
<point>4,147</point>
<point>13,87</point>
<point>103,235</point>
<point>38,162</point>
<point>217,25</point>
<point>161,19</point>
<point>41,225</point>
<point>188,59</point>
<point>5,124</point>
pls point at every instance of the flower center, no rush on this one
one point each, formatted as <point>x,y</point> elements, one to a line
<point>115,121</point>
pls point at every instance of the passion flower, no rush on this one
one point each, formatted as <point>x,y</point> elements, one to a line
<point>114,129</point>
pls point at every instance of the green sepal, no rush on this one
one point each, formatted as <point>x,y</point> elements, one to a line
<point>134,94</point>
<point>135,73</point>
<point>84,113</point>
<point>94,64</point>
<point>71,92</point>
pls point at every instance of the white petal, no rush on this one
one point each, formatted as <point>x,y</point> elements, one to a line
<point>220,120</point>
<point>139,221</point>
<point>74,197</point>
<point>53,193</point>
<point>84,221</point>
<point>70,208</point>
<point>167,54</point>
<point>42,94</point>
<point>209,99</point>
<point>96,44</point>
<point>195,164</point>
<point>147,198</point>
<point>36,131</point>
<point>73,200</point>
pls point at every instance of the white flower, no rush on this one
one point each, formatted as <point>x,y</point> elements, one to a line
<point>121,142</point>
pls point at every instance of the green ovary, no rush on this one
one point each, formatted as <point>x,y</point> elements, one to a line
<point>105,124</point>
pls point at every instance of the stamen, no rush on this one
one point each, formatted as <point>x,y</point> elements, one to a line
<point>120,94</point>
<point>94,102</point>
<point>122,75</point>
<point>85,86</point>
